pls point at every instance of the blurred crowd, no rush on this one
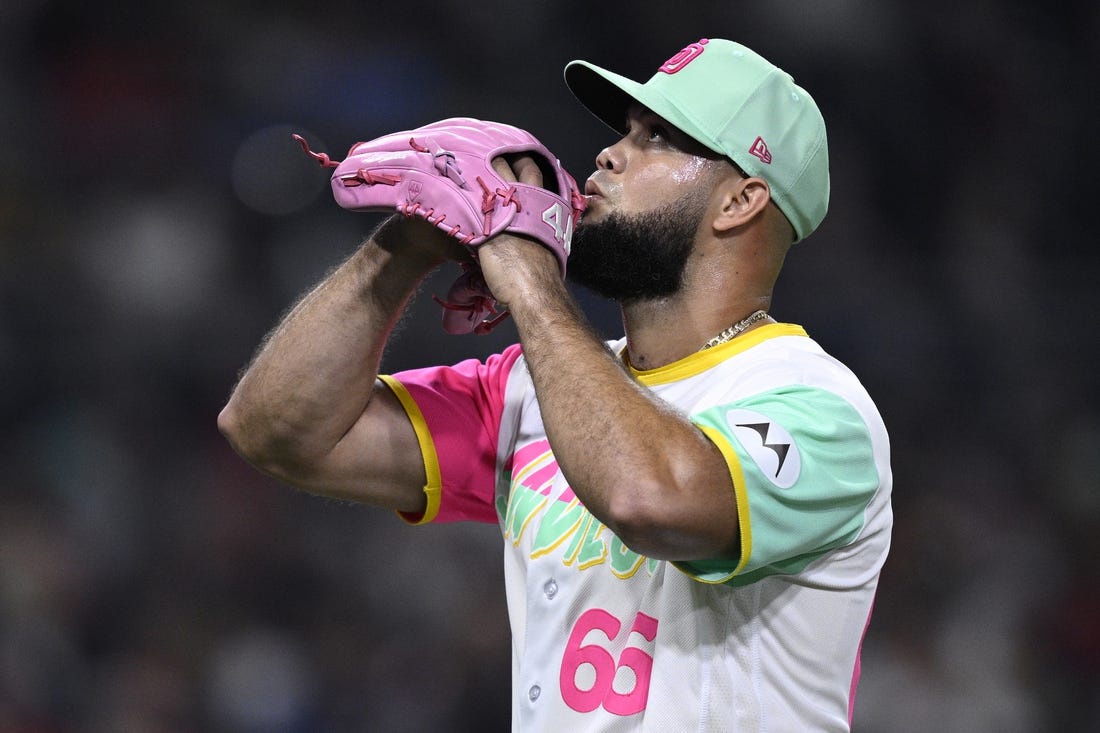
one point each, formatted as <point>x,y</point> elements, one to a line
<point>156,219</point>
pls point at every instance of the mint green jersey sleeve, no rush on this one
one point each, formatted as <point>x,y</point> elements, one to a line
<point>803,470</point>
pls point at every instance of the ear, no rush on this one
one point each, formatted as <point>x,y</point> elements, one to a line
<point>742,200</point>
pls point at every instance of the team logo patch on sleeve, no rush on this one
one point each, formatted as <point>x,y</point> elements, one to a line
<point>769,445</point>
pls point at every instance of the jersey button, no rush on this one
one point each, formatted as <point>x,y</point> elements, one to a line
<point>534,692</point>
<point>551,588</point>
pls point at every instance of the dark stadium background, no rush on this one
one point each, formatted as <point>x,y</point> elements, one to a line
<point>156,220</point>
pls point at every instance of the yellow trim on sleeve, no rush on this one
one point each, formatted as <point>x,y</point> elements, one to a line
<point>744,526</point>
<point>434,488</point>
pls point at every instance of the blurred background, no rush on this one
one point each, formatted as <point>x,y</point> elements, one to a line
<point>156,220</point>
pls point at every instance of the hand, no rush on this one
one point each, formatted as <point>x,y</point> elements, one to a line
<point>429,173</point>
<point>512,264</point>
<point>415,238</point>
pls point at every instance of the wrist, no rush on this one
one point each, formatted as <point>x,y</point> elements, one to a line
<point>386,271</point>
<point>421,244</point>
<point>520,272</point>
<point>546,309</point>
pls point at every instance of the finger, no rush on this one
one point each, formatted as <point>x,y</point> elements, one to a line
<point>527,170</point>
<point>500,165</point>
<point>521,168</point>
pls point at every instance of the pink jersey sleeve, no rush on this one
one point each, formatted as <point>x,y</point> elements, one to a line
<point>456,413</point>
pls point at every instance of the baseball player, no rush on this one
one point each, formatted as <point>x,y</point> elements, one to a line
<point>695,515</point>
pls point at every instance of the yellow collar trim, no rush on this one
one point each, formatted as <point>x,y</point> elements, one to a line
<point>701,361</point>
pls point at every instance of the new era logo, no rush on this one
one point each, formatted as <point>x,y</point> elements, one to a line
<point>760,150</point>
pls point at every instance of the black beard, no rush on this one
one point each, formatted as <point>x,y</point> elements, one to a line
<point>641,257</point>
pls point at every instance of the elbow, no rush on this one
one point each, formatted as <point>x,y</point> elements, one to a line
<point>229,425</point>
<point>640,522</point>
<point>259,445</point>
<point>647,536</point>
<point>669,524</point>
<point>234,428</point>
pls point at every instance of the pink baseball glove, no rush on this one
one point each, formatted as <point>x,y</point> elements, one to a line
<point>443,173</point>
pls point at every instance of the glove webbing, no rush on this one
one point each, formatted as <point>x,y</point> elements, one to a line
<point>482,308</point>
<point>477,306</point>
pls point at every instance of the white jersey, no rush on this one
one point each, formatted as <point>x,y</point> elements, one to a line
<point>605,639</point>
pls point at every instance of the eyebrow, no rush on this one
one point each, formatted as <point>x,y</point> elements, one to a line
<point>683,142</point>
<point>641,112</point>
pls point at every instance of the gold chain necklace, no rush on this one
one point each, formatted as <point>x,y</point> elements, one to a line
<point>736,329</point>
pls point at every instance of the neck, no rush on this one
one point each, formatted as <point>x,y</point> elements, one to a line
<point>659,332</point>
<point>725,281</point>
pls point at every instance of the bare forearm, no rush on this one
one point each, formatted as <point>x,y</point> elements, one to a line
<point>312,377</point>
<point>641,467</point>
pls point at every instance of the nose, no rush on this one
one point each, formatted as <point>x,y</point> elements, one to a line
<point>610,158</point>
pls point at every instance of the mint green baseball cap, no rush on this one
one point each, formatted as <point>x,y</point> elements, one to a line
<point>737,103</point>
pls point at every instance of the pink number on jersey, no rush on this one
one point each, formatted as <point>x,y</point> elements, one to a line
<point>602,691</point>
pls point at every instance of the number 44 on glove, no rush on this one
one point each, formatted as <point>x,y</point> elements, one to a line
<point>443,173</point>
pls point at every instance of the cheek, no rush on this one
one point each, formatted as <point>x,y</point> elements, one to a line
<point>656,185</point>
<point>689,172</point>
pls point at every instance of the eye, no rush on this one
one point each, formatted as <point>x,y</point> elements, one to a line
<point>656,133</point>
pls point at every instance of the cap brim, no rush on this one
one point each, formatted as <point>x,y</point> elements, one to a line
<point>693,104</point>
<point>608,96</point>
<point>605,94</point>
